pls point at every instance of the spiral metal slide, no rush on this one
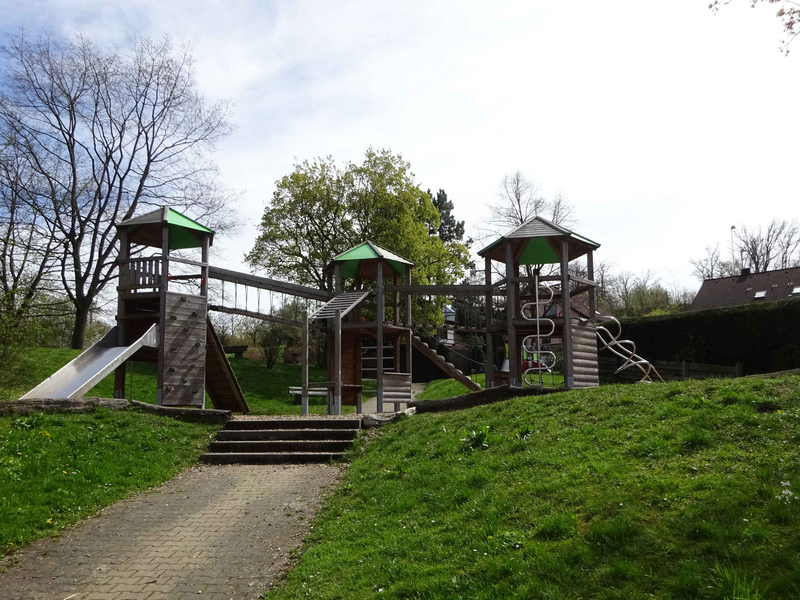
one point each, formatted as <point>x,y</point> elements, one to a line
<point>76,378</point>
<point>626,350</point>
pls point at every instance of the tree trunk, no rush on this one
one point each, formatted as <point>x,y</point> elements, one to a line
<point>79,331</point>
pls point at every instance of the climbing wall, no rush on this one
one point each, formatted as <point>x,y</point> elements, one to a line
<point>184,350</point>
<point>584,355</point>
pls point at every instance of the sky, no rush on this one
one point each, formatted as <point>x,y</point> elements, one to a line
<point>663,123</point>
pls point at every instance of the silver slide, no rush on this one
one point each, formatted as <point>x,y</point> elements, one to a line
<point>76,378</point>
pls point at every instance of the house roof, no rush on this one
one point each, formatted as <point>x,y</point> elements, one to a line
<point>183,231</point>
<point>742,289</point>
<point>541,246</point>
<point>361,260</point>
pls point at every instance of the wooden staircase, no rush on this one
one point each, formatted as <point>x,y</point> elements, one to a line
<point>282,441</point>
<point>448,368</point>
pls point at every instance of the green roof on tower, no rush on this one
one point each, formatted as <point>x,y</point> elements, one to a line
<point>183,231</point>
<point>534,243</point>
<point>360,260</point>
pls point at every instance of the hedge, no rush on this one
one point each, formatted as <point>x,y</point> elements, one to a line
<point>764,337</point>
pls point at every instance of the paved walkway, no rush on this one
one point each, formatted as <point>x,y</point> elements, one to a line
<point>219,532</point>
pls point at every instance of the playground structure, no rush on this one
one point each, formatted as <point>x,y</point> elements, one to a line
<point>368,318</point>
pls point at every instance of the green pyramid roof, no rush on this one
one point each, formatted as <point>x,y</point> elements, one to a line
<point>351,259</point>
<point>183,231</point>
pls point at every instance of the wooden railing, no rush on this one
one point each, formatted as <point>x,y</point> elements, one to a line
<point>140,274</point>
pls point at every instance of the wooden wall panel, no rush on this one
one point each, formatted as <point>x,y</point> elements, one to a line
<point>184,350</point>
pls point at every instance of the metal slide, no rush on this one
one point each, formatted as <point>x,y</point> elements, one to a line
<point>76,378</point>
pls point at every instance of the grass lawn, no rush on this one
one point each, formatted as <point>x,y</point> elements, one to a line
<point>450,388</point>
<point>266,390</point>
<point>57,469</point>
<point>670,491</point>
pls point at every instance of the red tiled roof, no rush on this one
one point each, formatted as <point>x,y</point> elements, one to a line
<point>742,289</point>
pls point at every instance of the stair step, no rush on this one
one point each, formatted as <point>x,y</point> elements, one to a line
<point>233,435</point>
<point>280,446</point>
<point>238,424</point>
<point>270,458</point>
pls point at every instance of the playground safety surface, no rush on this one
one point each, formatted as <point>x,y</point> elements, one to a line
<point>219,532</point>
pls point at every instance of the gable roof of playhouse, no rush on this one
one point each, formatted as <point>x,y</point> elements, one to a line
<point>359,260</point>
<point>540,247</point>
<point>183,231</point>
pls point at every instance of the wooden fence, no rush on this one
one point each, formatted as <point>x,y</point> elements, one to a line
<point>669,370</point>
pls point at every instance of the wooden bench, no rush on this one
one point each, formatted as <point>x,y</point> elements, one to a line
<point>237,351</point>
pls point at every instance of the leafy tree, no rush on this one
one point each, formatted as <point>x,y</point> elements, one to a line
<point>320,210</point>
<point>100,134</point>
<point>788,12</point>
<point>450,229</point>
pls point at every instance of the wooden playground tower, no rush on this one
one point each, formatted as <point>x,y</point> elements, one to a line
<point>190,358</point>
<point>536,309</point>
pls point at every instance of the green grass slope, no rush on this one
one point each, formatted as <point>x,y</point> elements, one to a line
<point>57,469</point>
<point>672,491</point>
<point>266,390</point>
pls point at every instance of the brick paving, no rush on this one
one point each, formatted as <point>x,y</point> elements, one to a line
<point>213,532</point>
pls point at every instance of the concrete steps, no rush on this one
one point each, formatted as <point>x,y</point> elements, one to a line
<point>282,441</point>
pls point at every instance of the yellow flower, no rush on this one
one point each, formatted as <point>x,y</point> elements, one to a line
<point>19,452</point>
<point>49,520</point>
<point>64,472</point>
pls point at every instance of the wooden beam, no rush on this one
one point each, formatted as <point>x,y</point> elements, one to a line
<point>265,283</point>
<point>511,312</point>
<point>119,374</point>
<point>489,358</point>
<point>566,312</point>
<point>204,268</point>
<point>439,290</point>
<point>590,274</point>
<point>304,364</point>
<point>162,323</point>
<point>337,279</point>
<point>337,363</point>
<point>381,300</point>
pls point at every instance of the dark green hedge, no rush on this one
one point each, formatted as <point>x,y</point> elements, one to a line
<point>764,337</point>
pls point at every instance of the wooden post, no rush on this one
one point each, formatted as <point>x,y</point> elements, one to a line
<point>590,276</point>
<point>395,302</point>
<point>566,311</point>
<point>204,268</point>
<point>162,323</point>
<point>337,364</point>
<point>381,301</point>
<point>410,341</point>
<point>304,365</point>
<point>684,369</point>
<point>124,254</point>
<point>337,278</point>
<point>738,369</point>
<point>489,359</point>
<point>511,313</point>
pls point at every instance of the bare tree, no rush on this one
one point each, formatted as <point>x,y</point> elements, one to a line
<point>520,198</point>
<point>775,247</point>
<point>105,134</point>
<point>769,248</point>
<point>788,12</point>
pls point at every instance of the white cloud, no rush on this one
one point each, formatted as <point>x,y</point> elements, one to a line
<point>663,123</point>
